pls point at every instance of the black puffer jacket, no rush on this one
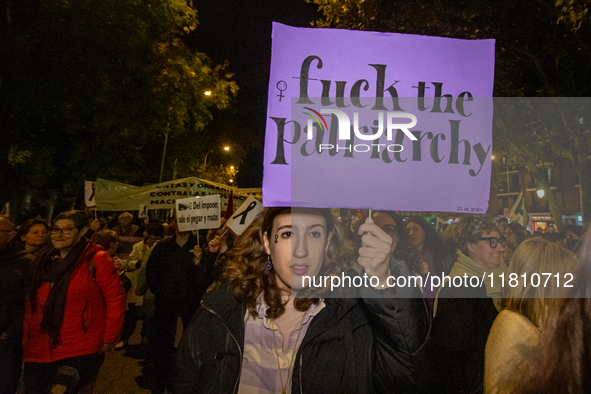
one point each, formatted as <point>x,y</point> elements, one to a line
<point>353,345</point>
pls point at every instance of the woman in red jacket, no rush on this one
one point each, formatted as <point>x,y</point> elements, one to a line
<point>74,312</point>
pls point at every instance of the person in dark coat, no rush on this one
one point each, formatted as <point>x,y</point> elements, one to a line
<point>250,336</point>
<point>464,314</point>
<point>178,279</point>
<point>14,266</point>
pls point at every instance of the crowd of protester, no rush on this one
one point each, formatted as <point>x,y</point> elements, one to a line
<point>76,288</point>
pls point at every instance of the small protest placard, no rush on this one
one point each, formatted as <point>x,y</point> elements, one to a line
<point>89,194</point>
<point>244,216</point>
<point>198,213</point>
<point>143,211</point>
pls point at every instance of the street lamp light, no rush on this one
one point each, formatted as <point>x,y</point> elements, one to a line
<point>541,193</point>
<point>225,148</point>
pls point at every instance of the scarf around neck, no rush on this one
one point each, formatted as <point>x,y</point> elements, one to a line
<point>50,267</point>
<point>465,265</point>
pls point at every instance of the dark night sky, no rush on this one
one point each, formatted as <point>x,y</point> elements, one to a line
<point>240,31</point>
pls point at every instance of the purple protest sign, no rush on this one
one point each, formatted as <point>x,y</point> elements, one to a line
<point>378,120</point>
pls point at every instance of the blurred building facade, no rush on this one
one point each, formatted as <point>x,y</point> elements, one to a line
<point>564,182</point>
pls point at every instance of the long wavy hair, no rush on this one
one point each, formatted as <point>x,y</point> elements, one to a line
<point>562,361</point>
<point>245,272</point>
<point>434,243</point>
<point>537,256</point>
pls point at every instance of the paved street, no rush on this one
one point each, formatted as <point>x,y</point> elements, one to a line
<point>118,373</point>
<point>121,368</point>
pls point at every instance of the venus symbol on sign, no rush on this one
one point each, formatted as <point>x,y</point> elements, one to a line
<point>282,86</point>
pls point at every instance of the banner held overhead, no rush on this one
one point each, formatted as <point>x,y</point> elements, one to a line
<point>115,196</point>
<point>378,120</point>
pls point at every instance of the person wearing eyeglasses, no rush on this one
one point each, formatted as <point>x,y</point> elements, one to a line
<point>75,308</point>
<point>464,314</point>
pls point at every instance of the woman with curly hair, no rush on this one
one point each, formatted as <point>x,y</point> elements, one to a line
<point>465,313</point>
<point>250,336</point>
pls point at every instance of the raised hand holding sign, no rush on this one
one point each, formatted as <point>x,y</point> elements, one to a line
<point>374,254</point>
